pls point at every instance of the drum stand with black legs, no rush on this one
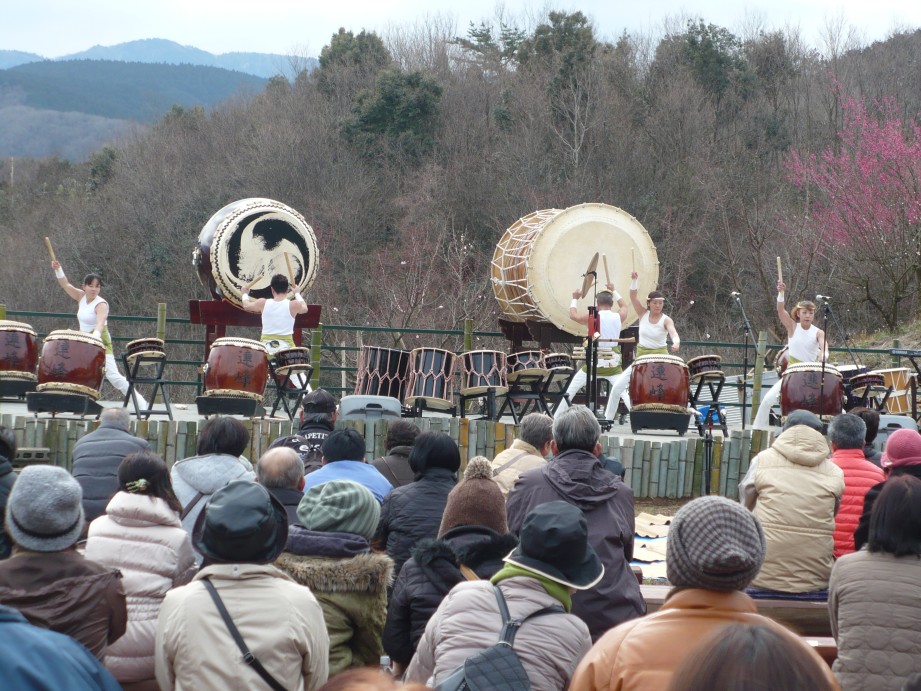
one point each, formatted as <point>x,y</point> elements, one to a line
<point>155,364</point>
<point>714,382</point>
<point>290,385</point>
<point>55,402</point>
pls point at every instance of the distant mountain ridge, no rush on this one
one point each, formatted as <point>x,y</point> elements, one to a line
<point>163,51</point>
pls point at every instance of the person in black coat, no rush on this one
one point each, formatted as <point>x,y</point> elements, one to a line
<point>318,421</point>
<point>413,512</point>
<point>7,478</point>
<point>399,444</point>
<point>472,540</point>
<point>97,456</point>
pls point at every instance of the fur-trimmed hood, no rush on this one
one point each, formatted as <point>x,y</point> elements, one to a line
<point>365,573</point>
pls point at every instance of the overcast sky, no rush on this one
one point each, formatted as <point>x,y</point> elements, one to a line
<point>302,27</point>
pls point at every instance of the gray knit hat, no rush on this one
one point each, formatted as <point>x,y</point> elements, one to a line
<point>716,544</point>
<point>340,506</point>
<point>44,512</point>
<point>804,417</point>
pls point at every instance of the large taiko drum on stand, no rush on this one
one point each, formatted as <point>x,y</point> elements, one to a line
<point>543,255</point>
<point>18,351</point>
<point>236,368</point>
<point>431,378</point>
<point>659,383</point>
<point>382,372</point>
<point>250,238</point>
<point>801,388</point>
<point>71,362</point>
<point>482,370</point>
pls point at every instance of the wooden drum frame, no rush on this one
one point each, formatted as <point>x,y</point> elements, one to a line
<point>72,362</point>
<point>237,368</point>
<point>660,383</point>
<point>18,351</point>
<point>900,379</point>
<point>543,255</point>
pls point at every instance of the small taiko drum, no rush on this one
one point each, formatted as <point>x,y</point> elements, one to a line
<point>382,372</point>
<point>18,351</point>
<point>150,348</point>
<point>557,361</point>
<point>659,383</point>
<point>431,377</point>
<point>848,372</point>
<point>901,380</point>
<point>705,365</point>
<point>71,362</point>
<point>482,370</point>
<point>862,389</point>
<point>237,367</point>
<point>292,360</point>
<point>526,362</point>
<point>801,388</point>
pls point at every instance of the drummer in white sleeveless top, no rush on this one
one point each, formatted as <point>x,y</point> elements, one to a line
<point>805,341</point>
<point>92,316</point>
<point>278,314</point>
<point>609,328</point>
<point>655,327</point>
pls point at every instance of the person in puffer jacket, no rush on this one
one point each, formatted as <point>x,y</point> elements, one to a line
<point>553,560</point>
<point>413,512</point>
<point>846,435</point>
<point>472,541</point>
<point>140,534</point>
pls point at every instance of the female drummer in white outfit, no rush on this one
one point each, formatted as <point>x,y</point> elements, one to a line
<point>609,328</point>
<point>805,342</point>
<point>93,315</point>
<point>655,326</point>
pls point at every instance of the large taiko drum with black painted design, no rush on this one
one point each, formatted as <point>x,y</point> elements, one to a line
<point>810,386</point>
<point>236,367</point>
<point>18,351</point>
<point>543,256</point>
<point>249,239</point>
<point>71,362</point>
<point>659,383</point>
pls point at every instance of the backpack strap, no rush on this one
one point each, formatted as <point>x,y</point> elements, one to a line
<point>248,656</point>
<point>509,463</point>
<point>510,626</point>
<point>191,505</point>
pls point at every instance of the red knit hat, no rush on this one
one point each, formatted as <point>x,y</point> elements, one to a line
<point>902,448</point>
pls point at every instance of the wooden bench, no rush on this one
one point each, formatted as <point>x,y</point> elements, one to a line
<point>805,617</point>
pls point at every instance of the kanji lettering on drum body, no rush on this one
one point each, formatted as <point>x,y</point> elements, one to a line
<point>247,363</point>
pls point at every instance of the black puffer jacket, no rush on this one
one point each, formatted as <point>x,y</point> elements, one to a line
<point>97,456</point>
<point>412,513</point>
<point>428,576</point>
<point>308,440</point>
<point>7,478</point>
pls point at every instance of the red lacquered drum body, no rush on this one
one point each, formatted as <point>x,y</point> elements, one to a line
<point>236,367</point>
<point>659,383</point>
<point>18,351</point>
<point>483,370</point>
<point>71,362</point>
<point>431,377</point>
<point>705,364</point>
<point>382,372</point>
<point>801,389</point>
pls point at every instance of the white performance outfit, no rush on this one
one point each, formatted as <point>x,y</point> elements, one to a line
<point>803,346</point>
<point>652,337</point>
<point>609,327</point>
<point>278,332</point>
<point>86,317</point>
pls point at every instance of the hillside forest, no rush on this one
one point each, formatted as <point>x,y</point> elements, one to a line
<point>410,154</point>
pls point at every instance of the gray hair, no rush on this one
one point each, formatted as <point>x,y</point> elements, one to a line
<point>847,431</point>
<point>577,428</point>
<point>536,429</point>
<point>279,468</point>
<point>115,417</point>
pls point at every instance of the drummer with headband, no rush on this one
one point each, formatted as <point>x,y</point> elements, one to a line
<point>654,327</point>
<point>806,342</point>
<point>93,315</point>
<point>277,314</point>
<point>609,325</point>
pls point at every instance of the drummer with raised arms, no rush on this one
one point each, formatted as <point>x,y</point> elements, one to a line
<point>806,342</point>
<point>93,315</point>
<point>609,327</point>
<point>277,314</point>
<point>655,326</point>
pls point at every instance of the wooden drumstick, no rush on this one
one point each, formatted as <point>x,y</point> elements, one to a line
<point>779,271</point>
<point>607,276</point>
<point>50,250</point>
<point>290,272</point>
<point>632,260</point>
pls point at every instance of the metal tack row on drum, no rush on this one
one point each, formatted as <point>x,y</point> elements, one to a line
<point>429,373</point>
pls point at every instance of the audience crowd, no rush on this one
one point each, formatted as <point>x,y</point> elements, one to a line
<point>319,569</point>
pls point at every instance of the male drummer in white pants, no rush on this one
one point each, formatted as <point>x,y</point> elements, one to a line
<point>805,342</point>
<point>609,324</point>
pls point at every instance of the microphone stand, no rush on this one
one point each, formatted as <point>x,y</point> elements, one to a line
<point>839,329</point>
<point>591,349</point>
<point>827,309</point>
<point>749,336</point>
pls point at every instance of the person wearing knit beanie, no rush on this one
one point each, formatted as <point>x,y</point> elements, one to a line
<point>715,549</point>
<point>339,506</point>
<point>714,543</point>
<point>477,500</point>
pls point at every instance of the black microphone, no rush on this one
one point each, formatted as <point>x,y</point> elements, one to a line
<point>735,293</point>
<point>823,297</point>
